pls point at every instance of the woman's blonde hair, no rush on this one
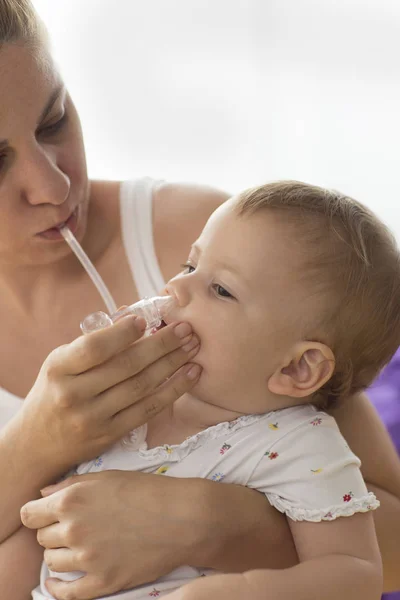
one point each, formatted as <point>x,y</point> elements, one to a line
<point>19,22</point>
<point>352,260</point>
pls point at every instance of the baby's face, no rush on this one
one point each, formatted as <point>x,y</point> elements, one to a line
<point>241,294</point>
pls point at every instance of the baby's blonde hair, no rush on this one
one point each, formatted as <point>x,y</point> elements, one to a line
<point>19,22</point>
<point>352,260</point>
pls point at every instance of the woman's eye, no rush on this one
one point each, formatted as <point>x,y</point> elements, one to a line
<point>54,127</point>
<point>187,268</point>
<point>221,291</point>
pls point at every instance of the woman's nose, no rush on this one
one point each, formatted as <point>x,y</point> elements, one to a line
<point>43,181</point>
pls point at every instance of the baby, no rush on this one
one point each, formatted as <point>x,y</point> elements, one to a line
<point>294,292</point>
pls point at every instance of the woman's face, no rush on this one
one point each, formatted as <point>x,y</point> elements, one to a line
<point>43,177</point>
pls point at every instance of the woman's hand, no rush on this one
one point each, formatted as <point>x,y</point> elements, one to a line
<point>91,392</point>
<point>123,529</point>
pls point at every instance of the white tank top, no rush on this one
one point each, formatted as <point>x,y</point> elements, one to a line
<point>137,233</point>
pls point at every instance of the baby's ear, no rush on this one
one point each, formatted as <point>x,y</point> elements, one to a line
<point>307,367</point>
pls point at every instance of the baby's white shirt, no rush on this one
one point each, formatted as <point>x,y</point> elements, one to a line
<point>296,456</point>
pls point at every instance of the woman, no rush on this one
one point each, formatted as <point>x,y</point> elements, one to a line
<point>385,396</point>
<point>114,526</point>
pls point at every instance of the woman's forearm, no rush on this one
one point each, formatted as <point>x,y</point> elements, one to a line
<point>387,524</point>
<point>23,472</point>
<point>237,530</point>
<point>20,560</point>
<point>365,433</point>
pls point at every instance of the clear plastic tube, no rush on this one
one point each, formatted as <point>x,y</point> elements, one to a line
<point>153,310</point>
<point>89,268</point>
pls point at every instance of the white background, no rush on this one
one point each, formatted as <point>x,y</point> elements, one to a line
<point>237,92</point>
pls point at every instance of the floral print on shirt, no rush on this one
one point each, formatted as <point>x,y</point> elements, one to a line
<point>225,448</point>
<point>162,470</point>
<point>271,455</point>
<point>348,497</point>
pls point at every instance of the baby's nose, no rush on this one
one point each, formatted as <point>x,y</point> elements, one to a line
<point>179,289</point>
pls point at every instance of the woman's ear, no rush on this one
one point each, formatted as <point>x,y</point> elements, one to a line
<point>308,366</point>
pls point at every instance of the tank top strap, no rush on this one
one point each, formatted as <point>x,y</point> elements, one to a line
<point>136,200</point>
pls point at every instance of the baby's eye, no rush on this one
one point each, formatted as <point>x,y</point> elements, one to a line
<point>187,268</point>
<point>221,291</point>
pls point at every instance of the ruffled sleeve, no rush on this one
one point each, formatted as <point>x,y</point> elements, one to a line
<point>310,474</point>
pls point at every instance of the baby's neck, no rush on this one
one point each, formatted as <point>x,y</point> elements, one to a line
<point>186,417</point>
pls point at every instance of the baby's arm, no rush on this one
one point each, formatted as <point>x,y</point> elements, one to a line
<point>338,559</point>
<point>310,474</point>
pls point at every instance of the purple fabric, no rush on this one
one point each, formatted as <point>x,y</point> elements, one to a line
<point>385,395</point>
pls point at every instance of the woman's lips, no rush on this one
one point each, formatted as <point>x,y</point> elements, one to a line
<point>53,233</point>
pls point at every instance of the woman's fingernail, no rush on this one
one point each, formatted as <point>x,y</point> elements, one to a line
<point>193,371</point>
<point>182,330</point>
<point>194,341</point>
<point>140,323</point>
<point>193,351</point>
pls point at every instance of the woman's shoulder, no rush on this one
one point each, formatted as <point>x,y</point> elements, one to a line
<point>180,212</point>
<point>185,204</point>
